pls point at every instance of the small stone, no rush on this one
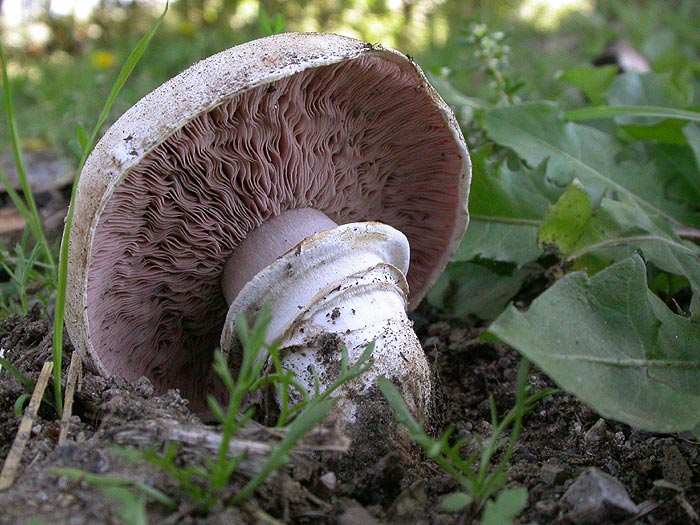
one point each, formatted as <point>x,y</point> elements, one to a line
<point>431,342</point>
<point>329,480</point>
<point>410,503</point>
<point>546,508</point>
<point>144,388</point>
<point>484,429</point>
<point>596,434</point>
<point>552,472</point>
<point>354,514</point>
<point>65,500</point>
<point>596,497</point>
<point>675,468</point>
<point>504,362</point>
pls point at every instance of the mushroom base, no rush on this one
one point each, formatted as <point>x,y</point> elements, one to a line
<point>344,287</point>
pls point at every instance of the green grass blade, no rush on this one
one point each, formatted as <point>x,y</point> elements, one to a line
<point>397,404</point>
<point>27,206</point>
<point>124,74</point>
<point>27,383</point>
<point>603,112</point>
<point>128,67</point>
<point>279,457</point>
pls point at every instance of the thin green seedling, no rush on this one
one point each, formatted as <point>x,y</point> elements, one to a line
<point>206,483</point>
<point>25,204</point>
<point>132,506</point>
<point>191,477</point>
<point>307,413</point>
<point>87,143</point>
<point>20,270</point>
<point>121,489</point>
<point>283,380</point>
<point>27,383</point>
<point>479,478</point>
<point>20,402</point>
<point>307,420</point>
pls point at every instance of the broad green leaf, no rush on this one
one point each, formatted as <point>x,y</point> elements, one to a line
<point>566,220</point>
<point>678,174</point>
<point>537,132</point>
<point>592,81</point>
<point>452,95</point>
<point>618,229</point>
<point>512,193</point>
<point>692,135</point>
<point>668,131</point>
<point>473,289</point>
<point>506,507</point>
<point>651,89</point>
<point>615,345</point>
<point>488,238</point>
<point>506,207</point>
<point>668,191</point>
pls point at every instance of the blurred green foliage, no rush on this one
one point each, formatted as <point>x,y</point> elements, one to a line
<point>61,81</point>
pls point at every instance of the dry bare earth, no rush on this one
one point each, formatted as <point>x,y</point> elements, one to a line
<point>561,438</point>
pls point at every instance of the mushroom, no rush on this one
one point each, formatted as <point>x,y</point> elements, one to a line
<point>295,171</point>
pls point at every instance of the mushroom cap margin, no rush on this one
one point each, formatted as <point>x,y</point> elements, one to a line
<point>198,89</point>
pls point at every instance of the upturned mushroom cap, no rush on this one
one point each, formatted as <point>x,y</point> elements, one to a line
<point>285,122</point>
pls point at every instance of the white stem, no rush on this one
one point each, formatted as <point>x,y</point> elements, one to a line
<point>342,287</point>
<point>267,242</point>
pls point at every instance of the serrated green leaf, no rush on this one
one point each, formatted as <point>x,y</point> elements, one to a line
<point>506,507</point>
<point>615,345</point>
<point>566,220</point>
<point>592,81</point>
<point>518,193</point>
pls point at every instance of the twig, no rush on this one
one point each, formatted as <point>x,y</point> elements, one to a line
<point>13,459</point>
<point>73,384</point>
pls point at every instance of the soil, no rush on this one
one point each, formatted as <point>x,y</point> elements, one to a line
<point>560,439</point>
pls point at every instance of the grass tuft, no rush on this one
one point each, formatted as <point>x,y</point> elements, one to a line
<point>478,476</point>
